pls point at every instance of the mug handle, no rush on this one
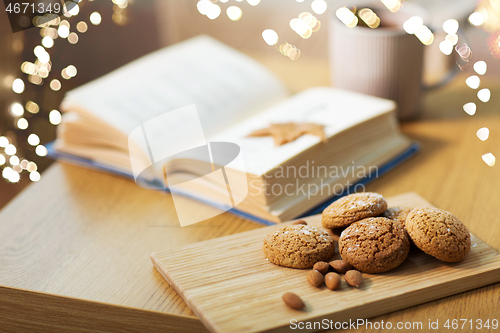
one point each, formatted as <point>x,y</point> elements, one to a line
<point>450,75</point>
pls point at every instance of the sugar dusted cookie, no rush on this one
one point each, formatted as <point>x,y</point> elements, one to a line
<point>298,246</point>
<point>397,214</point>
<point>438,233</point>
<point>352,208</point>
<point>374,245</point>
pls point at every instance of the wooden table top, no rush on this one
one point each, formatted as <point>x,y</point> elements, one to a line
<point>74,248</point>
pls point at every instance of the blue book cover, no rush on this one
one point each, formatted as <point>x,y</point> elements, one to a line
<point>382,170</point>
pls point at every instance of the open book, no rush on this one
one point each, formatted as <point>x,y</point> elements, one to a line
<point>180,118</point>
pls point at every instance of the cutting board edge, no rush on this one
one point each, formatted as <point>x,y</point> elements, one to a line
<point>369,310</point>
<point>206,321</point>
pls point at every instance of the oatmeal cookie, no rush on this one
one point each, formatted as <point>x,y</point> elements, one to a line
<point>298,246</point>
<point>352,208</point>
<point>438,233</point>
<point>374,245</point>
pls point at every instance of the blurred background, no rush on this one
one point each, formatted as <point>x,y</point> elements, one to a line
<point>103,35</point>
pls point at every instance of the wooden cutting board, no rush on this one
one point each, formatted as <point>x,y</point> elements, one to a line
<point>231,286</point>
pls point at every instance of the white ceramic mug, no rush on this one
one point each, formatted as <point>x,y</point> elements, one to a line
<point>385,62</point>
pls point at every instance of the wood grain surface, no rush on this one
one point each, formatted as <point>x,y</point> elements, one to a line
<point>232,287</point>
<point>88,235</point>
<point>22,311</point>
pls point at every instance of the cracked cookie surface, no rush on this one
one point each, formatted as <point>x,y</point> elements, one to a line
<point>352,208</point>
<point>438,233</point>
<point>398,214</point>
<point>298,246</point>
<point>374,245</point>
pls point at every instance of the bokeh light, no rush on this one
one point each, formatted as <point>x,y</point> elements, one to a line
<point>35,79</point>
<point>63,31</point>
<point>301,28</point>
<point>470,108</point>
<point>81,27</point>
<point>24,164</point>
<point>203,6</point>
<point>476,19</point>
<point>484,95</point>
<point>71,70</point>
<point>425,35</point>
<point>10,149</point>
<point>14,160</point>
<point>464,52</point>
<point>16,109</point>
<point>47,42</point>
<point>40,150</point>
<point>452,38</point>
<point>74,9</point>
<point>32,107</point>
<point>450,26</point>
<point>11,175</point>
<point>43,72</point>
<point>55,117</point>
<point>483,133</point>
<point>473,81</point>
<point>253,2</point>
<point>489,159</point>
<point>347,17</point>
<point>22,123</point>
<point>369,17</point>
<point>319,6</point>
<point>480,67</point>
<point>35,176</point>
<point>392,5</point>
<point>413,24</point>
<point>4,141</point>
<point>55,85</point>
<point>73,38</point>
<point>18,86</point>
<point>270,36</point>
<point>65,75</point>
<point>234,13</point>
<point>446,47</point>
<point>29,68</point>
<point>289,51</point>
<point>33,139</point>
<point>32,167</point>
<point>95,18</point>
<point>213,11</point>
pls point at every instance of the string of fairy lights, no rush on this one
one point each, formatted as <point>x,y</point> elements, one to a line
<point>37,73</point>
<point>486,16</point>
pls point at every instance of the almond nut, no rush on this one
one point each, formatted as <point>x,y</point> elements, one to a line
<point>353,278</point>
<point>315,278</point>
<point>322,267</point>
<point>340,266</point>
<point>300,222</point>
<point>332,281</point>
<point>293,301</point>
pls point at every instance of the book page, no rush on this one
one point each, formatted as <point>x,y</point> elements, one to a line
<point>225,85</point>
<point>336,109</point>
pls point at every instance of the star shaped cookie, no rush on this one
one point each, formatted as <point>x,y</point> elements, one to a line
<point>288,132</point>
